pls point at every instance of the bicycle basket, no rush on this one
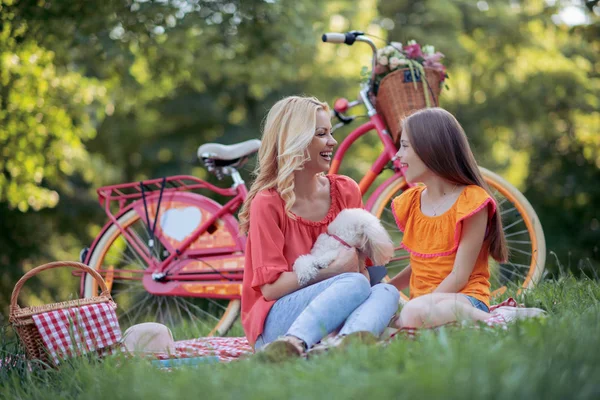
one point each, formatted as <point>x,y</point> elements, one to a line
<point>397,96</point>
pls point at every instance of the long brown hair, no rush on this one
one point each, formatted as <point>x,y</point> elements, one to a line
<point>288,130</point>
<point>441,143</point>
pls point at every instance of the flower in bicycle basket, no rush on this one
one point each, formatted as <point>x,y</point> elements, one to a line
<point>412,56</point>
<point>413,50</point>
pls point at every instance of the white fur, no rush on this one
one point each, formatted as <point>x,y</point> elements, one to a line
<point>357,227</point>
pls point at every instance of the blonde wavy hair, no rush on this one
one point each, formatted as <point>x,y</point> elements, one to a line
<point>288,130</point>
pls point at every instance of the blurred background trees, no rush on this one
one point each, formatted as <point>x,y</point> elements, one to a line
<point>101,92</point>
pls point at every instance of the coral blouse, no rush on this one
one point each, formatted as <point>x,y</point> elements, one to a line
<point>275,241</point>
<point>433,241</point>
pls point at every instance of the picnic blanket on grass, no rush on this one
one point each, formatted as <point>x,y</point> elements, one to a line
<point>206,349</point>
<point>226,349</point>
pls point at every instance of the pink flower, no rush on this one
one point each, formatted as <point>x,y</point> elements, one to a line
<point>413,50</point>
<point>434,58</point>
<point>433,61</point>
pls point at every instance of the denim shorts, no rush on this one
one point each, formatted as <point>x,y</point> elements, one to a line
<point>478,304</point>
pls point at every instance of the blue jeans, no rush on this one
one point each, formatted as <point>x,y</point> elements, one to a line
<point>478,304</point>
<point>313,312</point>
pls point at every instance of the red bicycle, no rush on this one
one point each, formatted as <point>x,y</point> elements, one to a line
<point>171,253</point>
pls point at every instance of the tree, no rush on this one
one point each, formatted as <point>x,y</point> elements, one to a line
<point>143,84</point>
<point>527,90</point>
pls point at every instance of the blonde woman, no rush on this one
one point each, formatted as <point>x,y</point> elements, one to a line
<point>289,205</point>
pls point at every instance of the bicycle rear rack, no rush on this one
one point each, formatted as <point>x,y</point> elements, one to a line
<point>126,193</point>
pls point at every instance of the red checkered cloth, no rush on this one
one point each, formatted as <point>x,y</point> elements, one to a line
<point>510,302</point>
<point>224,348</point>
<point>79,330</point>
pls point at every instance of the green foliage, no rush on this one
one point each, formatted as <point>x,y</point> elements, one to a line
<point>46,113</point>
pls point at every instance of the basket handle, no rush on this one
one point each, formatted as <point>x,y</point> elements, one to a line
<point>56,264</point>
<point>435,103</point>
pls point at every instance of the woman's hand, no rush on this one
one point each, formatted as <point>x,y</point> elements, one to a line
<point>346,261</point>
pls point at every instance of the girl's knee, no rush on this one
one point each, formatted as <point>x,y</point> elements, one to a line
<point>389,291</point>
<point>411,315</point>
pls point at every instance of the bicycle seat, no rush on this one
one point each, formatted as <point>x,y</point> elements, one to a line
<point>232,152</point>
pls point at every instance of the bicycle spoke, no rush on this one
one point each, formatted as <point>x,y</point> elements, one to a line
<point>519,241</point>
<point>159,309</point>
<point>178,308</point>
<point>513,224</point>
<point>511,272</point>
<point>190,314</point>
<point>389,224</point>
<point>507,211</point>
<point>515,233</point>
<point>519,250</point>
<point>519,265</point>
<point>116,294</point>
<point>139,305</point>
<point>211,301</point>
<point>128,260</point>
<point>170,314</point>
<point>198,308</point>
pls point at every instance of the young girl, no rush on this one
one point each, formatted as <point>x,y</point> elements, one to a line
<point>451,225</point>
<point>289,205</point>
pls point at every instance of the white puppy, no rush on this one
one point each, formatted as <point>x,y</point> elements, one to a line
<point>353,227</point>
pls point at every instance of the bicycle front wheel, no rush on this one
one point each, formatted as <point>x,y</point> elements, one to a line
<point>195,316</point>
<point>522,229</point>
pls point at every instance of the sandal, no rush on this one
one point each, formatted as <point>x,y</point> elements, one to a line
<point>342,342</point>
<point>282,349</point>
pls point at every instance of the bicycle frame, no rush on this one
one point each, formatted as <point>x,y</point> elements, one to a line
<point>129,196</point>
<point>388,154</point>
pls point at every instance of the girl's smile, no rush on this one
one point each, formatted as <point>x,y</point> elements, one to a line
<point>412,166</point>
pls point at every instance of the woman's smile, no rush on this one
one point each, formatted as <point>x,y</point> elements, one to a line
<point>327,155</point>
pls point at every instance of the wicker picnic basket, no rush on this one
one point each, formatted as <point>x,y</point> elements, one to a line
<point>397,96</point>
<point>21,318</point>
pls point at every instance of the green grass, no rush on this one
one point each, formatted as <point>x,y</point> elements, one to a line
<point>558,357</point>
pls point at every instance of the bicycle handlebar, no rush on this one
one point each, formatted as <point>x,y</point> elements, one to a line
<point>349,38</point>
<point>334,37</point>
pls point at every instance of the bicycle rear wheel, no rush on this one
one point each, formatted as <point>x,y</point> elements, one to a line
<point>193,316</point>
<point>522,229</point>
